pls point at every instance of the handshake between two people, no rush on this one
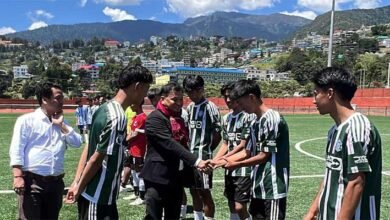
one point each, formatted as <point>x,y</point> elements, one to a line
<point>206,166</point>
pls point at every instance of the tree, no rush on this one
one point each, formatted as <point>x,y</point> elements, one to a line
<point>36,67</point>
<point>379,30</point>
<point>301,64</point>
<point>28,89</point>
<point>58,73</point>
<point>5,82</point>
<point>368,45</point>
<point>370,68</point>
<point>305,71</point>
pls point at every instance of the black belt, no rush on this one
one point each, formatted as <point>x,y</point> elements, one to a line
<point>43,178</point>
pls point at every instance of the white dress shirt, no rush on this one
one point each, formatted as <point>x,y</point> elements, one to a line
<point>39,146</point>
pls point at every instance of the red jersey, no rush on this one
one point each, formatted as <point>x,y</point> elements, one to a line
<point>138,145</point>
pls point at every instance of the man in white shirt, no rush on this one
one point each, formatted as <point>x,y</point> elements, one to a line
<point>37,151</point>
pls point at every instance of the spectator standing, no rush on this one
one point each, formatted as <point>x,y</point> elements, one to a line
<point>37,154</point>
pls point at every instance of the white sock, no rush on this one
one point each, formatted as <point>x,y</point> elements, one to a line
<point>183,211</point>
<point>86,138</point>
<point>234,216</point>
<point>135,178</point>
<point>141,183</point>
<point>198,215</point>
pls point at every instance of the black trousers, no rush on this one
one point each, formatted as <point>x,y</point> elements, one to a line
<point>42,198</point>
<point>89,210</point>
<point>160,197</point>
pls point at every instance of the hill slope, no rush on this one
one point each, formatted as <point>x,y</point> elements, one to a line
<point>345,20</point>
<point>270,27</point>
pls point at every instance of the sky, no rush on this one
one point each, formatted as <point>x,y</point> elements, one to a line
<point>21,15</point>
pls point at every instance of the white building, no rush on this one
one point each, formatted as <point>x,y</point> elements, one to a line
<point>21,72</point>
<point>78,65</point>
<point>272,75</point>
<point>266,75</point>
<point>155,40</point>
<point>225,52</point>
<point>256,74</point>
<point>151,65</point>
<point>126,44</point>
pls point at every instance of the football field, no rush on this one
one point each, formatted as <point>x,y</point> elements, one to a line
<point>307,149</point>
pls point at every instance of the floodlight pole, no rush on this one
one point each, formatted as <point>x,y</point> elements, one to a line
<point>388,77</point>
<point>330,50</point>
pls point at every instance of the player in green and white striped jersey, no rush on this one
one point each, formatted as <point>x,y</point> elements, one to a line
<point>108,135</point>
<point>267,151</point>
<point>235,131</point>
<point>351,188</point>
<point>103,158</point>
<point>204,133</point>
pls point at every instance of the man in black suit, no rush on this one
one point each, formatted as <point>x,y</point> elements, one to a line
<point>161,168</point>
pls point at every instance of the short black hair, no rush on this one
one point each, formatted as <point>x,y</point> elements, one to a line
<point>227,86</point>
<point>133,74</point>
<point>342,81</point>
<point>193,82</point>
<point>43,90</point>
<point>153,92</point>
<point>165,90</point>
<point>245,87</point>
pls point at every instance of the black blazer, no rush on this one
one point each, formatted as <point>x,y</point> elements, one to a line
<point>163,152</point>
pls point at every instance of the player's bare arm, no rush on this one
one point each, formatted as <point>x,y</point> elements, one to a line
<point>80,166</point>
<point>90,170</point>
<point>313,210</point>
<point>352,195</point>
<point>262,157</point>
<point>217,162</point>
<point>236,149</point>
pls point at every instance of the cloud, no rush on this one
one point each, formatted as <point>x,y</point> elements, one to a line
<point>119,2</point>
<point>192,8</point>
<point>83,2</point>
<point>305,14</point>
<point>43,13</point>
<point>367,4</point>
<point>6,30</point>
<point>153,18</point>
<point>117,14</point>
<point>321,5</point>
<point>37,24</point>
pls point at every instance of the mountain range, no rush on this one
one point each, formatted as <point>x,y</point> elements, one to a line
<point>345,20</point>
<point>273,27</point>
<point>270,27</point>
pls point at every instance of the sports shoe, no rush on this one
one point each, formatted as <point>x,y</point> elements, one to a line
<point>129,187</point>
<point>131,197</point>
<point>138,201</point>
<point>122,189</point>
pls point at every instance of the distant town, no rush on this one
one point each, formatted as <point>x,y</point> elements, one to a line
<point>87,67</point>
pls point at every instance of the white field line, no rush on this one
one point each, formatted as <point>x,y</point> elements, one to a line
<point>298,148</point>
<point>214,181</point>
